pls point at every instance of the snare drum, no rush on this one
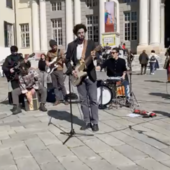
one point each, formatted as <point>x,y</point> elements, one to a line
<point>104,93</point>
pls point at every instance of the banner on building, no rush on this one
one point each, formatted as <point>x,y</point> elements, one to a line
<point>108,40</point>
<point>110,17</point>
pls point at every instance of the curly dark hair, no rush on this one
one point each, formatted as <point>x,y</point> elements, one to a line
<point>77,27</point>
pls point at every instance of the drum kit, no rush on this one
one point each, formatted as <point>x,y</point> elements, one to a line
<point>110,92</point>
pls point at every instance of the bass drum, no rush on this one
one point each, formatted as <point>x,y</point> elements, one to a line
<point>104,94</point>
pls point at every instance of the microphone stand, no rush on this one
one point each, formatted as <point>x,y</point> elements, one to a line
<point>72,131</point>
<point>133,98</point>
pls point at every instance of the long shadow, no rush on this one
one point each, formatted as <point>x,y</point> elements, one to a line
<point>5,102</point>
<point>166,114</point>
<point>155,81</point>
<point>163,95</point>
<point>63,115</point>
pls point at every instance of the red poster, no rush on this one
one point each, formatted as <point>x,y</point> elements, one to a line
<point>110,17</point>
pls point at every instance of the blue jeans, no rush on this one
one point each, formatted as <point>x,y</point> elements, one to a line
<point>152,67</point>
<point>125,83</point>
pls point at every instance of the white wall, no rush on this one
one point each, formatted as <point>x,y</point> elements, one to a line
<point>6,14</point>
<point>23,17</point>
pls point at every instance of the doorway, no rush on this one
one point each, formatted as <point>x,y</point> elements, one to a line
<point>167,23</point>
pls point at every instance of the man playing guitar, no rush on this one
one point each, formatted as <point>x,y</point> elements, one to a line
<point>8,67</point>
<point>77,51</point>
<point>57,75</point>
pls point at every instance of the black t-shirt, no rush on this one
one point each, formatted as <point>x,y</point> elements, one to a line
<point>115,68</point>
<point>42,65</point>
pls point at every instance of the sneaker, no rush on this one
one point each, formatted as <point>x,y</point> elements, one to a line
<point>16,110</point>
<point>57,103</point>
<point>87,126</point>
<point>42,107</point>
<point>95,128</point>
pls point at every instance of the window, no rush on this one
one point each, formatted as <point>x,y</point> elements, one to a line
<point>8,34</point>
<point>25,35</point>
<point>91,3</point>
<point>9,4</point>
<point>130,26</point>
<point>56,6</point>
<point>93,28</point>
<point>57,30</point>
<point>128,1</point>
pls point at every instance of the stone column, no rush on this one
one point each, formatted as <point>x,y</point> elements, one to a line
<point>77,11</point>
<point>43,26</point>
<point>101,19</point>
<point>35,26</point>
<point>155,22</point>
<point>162,20</point>
<point>69,21</point>
<point>143,23</point>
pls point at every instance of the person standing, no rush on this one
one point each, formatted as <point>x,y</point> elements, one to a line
<point>45,78</point>
<point>143,60</point>
<point>79,50</point>
<point>167,64</point>
<point>8,66</point>
<point>153,60</point>
<point>57,75</point>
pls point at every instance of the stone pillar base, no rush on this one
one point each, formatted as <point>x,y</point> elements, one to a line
<point>158,49</point>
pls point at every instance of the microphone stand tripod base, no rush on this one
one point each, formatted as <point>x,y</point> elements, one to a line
<point>70,135</point>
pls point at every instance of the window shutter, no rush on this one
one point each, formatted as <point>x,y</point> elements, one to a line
<point>5,34</point>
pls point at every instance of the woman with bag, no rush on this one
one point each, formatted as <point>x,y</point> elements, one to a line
<point>167,64</point>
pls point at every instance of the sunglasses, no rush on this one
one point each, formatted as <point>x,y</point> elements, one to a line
<point>113,52</point>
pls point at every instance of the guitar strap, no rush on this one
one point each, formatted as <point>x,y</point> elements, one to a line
<point>84,50</point>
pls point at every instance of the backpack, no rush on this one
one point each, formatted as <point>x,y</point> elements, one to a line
<point>153,58</point>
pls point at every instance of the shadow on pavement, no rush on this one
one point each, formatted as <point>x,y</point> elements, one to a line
<point>155,81</point>
<point>163,95</point>
<point>63,115</point>
<point>166,114</point>
<point>5,102</point>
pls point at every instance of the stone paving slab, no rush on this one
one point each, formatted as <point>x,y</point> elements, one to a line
<point>32,140</point>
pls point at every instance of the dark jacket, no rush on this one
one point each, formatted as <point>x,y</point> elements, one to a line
<point>10,61</point>
<point>71,55</point>
<point>143,58</point>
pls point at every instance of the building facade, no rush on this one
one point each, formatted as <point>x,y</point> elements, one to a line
<point>141,24</point>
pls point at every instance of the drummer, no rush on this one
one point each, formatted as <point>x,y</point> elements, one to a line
<point>116,70</point>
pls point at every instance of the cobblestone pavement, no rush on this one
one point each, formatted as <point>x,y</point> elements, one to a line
<point>29,142</point>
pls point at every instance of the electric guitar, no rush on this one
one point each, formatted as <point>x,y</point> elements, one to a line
<point>80,68</point>
<point>53,64</point>
<point>12,76</point>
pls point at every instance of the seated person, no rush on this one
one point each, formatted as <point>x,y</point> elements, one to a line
<point>29,83</point>
<point>116,70</point>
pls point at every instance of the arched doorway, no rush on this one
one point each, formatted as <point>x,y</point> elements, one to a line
<point>167,23</point>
